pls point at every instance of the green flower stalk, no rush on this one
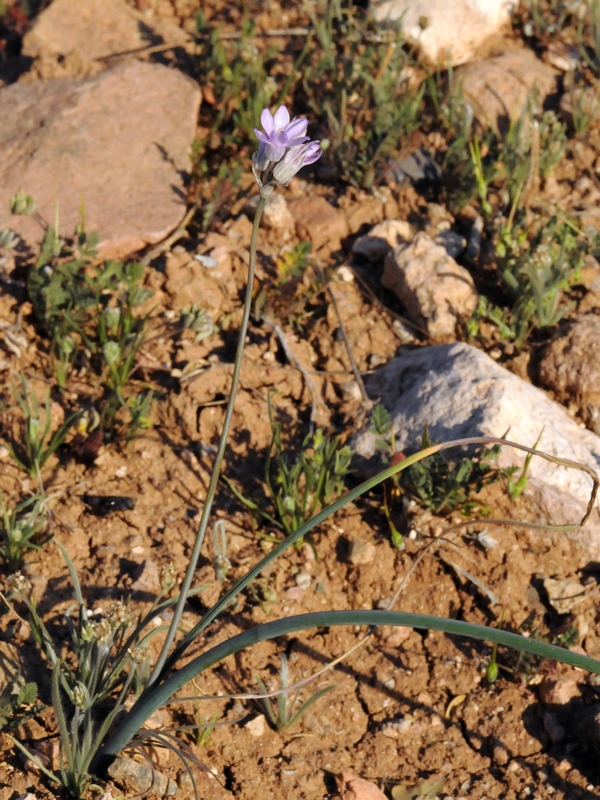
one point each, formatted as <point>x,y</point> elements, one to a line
<point>283,147</point>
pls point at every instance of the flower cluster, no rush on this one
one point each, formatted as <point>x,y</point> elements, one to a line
<point>283,149</point>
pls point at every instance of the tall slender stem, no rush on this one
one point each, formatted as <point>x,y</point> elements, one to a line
<point>214,478</point>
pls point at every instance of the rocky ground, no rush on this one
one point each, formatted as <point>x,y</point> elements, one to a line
<point>112,122</point>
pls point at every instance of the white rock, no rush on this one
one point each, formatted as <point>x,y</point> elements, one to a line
<point>458,391</point>
<point>256,727</point>
<point>447,31</point>
<point>276,215</point>
<point>382,238</point>
<point>435,290</point>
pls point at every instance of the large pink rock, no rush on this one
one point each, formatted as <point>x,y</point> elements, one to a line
<point>118,142</point>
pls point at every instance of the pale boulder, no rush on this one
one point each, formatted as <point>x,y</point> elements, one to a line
<point>118,143</point>
<point>446,32</point>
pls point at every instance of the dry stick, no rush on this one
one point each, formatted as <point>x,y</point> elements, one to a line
<point>367,403</point>
<point>315,395</point>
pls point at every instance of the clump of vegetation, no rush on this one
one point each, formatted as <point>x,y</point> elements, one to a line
<point>297,488</point>
<point>22,530</point>
<point>443,485</point>
<point>88,314</point>
<point>284,712</point>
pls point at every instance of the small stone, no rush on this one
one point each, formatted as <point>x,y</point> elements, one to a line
<point>436,291</point>
<point>559,691</point>
<point>351,787</point>
<point>419,169</point>
<point>498,88</point>
<point>564,594</point>
<point>345,274</point>
<point>499,753</point>
<point>303,580</point>
<point>276,214</point>
<point>140,778</point>
<point>382,238</point>
<point>453,243</point>
<point>319,222</point>
<point>148,579</point>
<point>256,727</point>
<point>361,552</point>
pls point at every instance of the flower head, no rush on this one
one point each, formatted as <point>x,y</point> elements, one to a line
<point>283,149</point>
<point>279,133</point>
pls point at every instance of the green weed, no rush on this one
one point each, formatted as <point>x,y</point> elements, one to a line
<point>21,530</point>
<point>88,313</point>
<point>284,712</point>
<point>443,485</point>
<point>18,703</point>
<point>36,441</point>
<point>297,489</point>
<point>359,81</point>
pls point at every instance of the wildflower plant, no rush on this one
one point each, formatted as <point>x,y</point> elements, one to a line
<point>110,666</point>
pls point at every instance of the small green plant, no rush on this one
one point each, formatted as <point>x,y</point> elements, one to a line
<point>18,703</point>
<point>110,658</point>
<point>221,563</point>
<point>491,672</point>
<point>443,485</point>
<point>537,269</point>
<point>21,529</point>
<point>588,36</point>
<point>385,441</point>
<point>285,711</point>
<point>37,442</point>
<point>298,488</point>
<point>20,205</point>
<point>197,320</point>
<point>88,313</point>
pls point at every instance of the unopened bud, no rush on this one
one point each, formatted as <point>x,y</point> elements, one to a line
<point>167,577</point>
<point>19,585</point>
<point>296,157</point>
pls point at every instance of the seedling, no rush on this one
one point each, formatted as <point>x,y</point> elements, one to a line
<point>20,529</point>
<point>37,443</point>
<point>18,703</point>
<point>383,428</point>
<point>491,672</point>
<point>283,712</point>
<point>222,564</point>
<point>443,486</point>
<point>517,487</point>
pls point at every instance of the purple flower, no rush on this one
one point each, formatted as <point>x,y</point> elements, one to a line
<point>280,134</point>
<point>296,157</point>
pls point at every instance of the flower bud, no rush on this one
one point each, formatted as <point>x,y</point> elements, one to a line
<point>296,157</point>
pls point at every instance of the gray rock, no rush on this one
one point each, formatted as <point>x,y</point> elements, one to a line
<point>497,88</point>
<point>419,168</point>
<point>118,143</point>
<point>446,32</point>
<point>436,291</point>
<point>140,778</point>
<point>458,391</point>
